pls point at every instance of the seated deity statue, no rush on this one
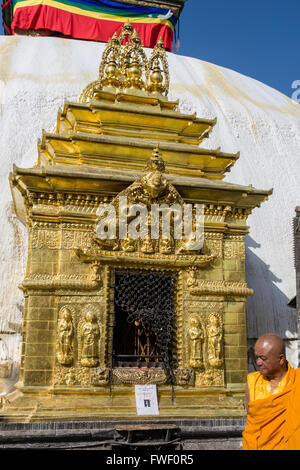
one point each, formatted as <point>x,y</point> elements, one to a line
<point>128,244</point>
<point>166,245</point>
<point>147,245</point>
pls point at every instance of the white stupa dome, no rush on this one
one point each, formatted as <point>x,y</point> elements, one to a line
<point>39,73</point>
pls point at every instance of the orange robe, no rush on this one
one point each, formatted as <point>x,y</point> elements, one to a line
<point>273,420</point>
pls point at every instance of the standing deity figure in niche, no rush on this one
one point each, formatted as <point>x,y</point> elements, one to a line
<point>65,333</point>
<point>196,335</point>
<point>214,335</point>
<point>90,335</point>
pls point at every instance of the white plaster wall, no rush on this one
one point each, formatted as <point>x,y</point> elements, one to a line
<point>37,74</point>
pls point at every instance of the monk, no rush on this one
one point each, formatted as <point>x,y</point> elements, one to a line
<point>272,399</point>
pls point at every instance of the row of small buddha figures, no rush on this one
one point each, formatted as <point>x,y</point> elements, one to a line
<point>148,245</point>
<point>212,336</point>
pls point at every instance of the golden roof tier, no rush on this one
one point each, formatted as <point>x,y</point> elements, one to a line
<point>124,114</point>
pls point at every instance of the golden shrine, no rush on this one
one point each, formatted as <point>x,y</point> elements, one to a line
<point>103,315</point>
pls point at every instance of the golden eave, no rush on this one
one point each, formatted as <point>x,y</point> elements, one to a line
<point>134,121</point>
<point>124,152</point>
<point>110,182</point>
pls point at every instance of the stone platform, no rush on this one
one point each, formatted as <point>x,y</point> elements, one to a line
<point>172,435</point>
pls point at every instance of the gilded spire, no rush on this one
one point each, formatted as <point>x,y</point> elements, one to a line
<point>110,75</point>
<point>134,73</point>
<point>158,70</point>
<point>127,31</point>
<point>156,79</point>
<point>108,69</point>
<point>124,66</point>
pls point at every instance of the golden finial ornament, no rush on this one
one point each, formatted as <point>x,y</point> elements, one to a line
<point>111,73</point>
<point>156,162</point>
<point>158,79</point>
<point>134,74</point>
<point>108,69</point>
<point>160,43</point>
<point>127,31</point>
<point>124,66</point>
<point>135,38</point>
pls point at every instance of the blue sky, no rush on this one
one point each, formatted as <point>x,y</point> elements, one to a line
<point>258,38</point>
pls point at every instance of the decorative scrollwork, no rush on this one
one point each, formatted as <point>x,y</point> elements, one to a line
<point>142,376</point>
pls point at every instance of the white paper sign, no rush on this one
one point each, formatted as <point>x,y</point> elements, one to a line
<point>146,400</point>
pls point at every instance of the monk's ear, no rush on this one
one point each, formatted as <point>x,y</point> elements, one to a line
<point>282,359</point>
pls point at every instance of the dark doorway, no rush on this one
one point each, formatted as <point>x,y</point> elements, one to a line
<point>144,327</point>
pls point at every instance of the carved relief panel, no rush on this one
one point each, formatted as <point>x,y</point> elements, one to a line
<point>80,354</point>
<point>65,335</point>
<point>88,338</point>
<point>204,340</point>
<point>196,339</point>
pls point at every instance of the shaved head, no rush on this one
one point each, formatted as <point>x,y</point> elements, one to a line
<point>275,343</point>
<point>270,355</point>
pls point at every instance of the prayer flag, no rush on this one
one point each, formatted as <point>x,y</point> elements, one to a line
<point>95,20</point>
